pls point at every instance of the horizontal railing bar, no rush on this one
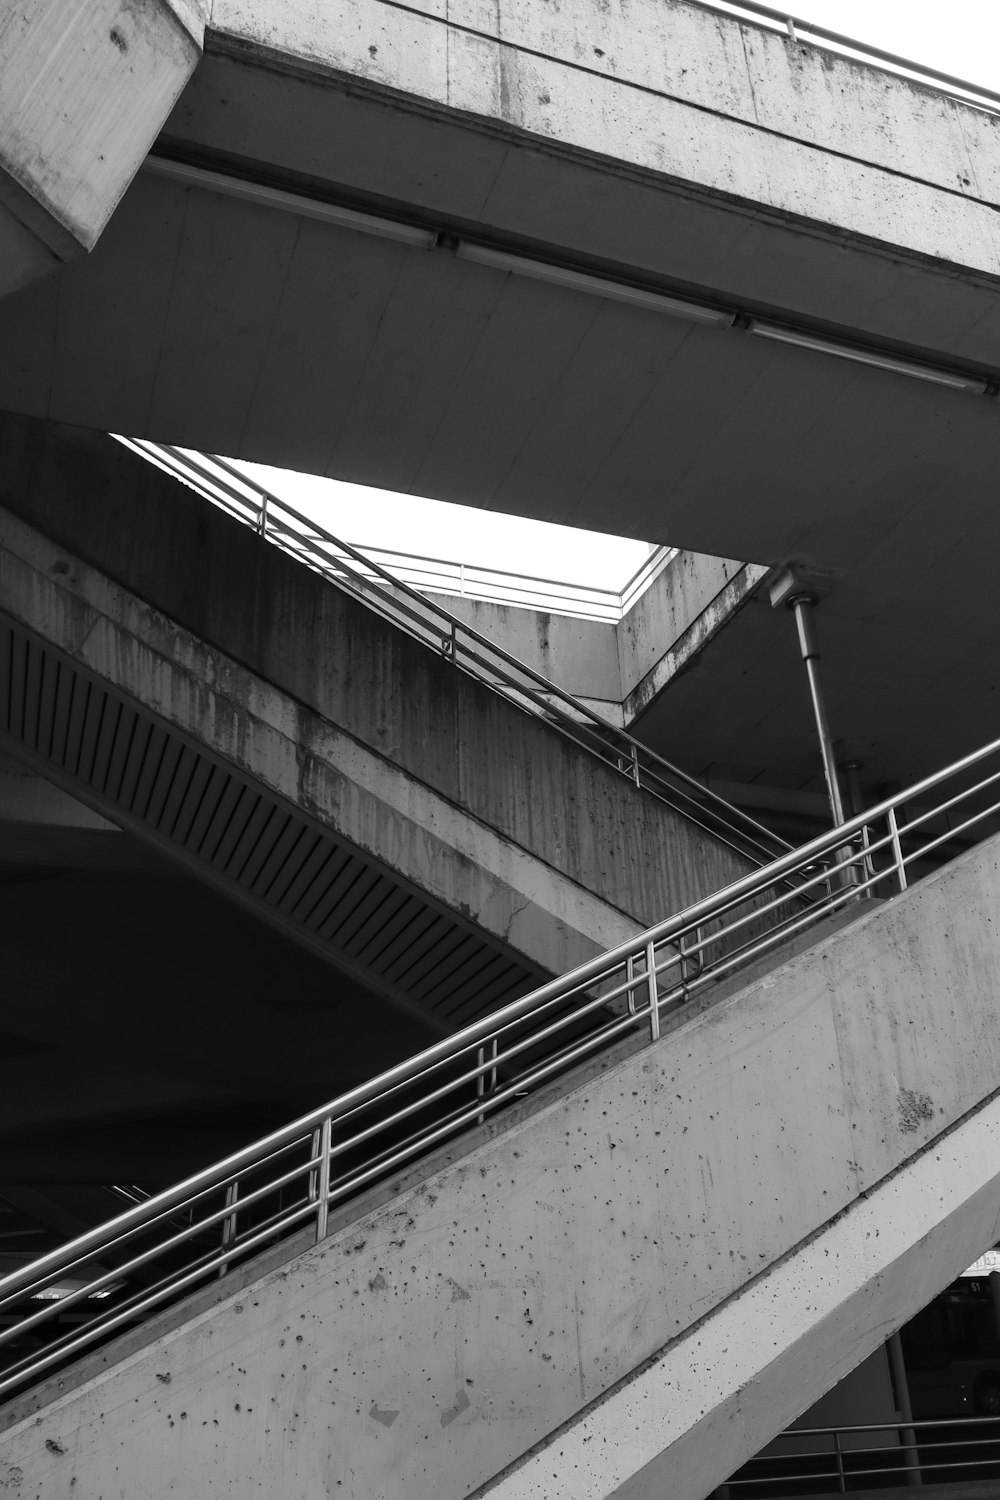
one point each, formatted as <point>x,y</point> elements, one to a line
<point>59,1306</point>
<point>481,1104</point>
<point>951,833</point>
<point>926,814</point>
<point>916,1425</point>
<point>110,1242</point>
<point>88,1335</point>
<point>480,1070</point>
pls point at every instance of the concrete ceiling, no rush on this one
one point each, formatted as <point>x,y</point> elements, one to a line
<point>910,688</point>
<point>241,329</point>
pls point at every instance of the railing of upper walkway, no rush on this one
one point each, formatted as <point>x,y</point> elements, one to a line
<point>772,18</point>
<point>797,29</point>
<point>382,591</point>
<point>474,581</point>
<point>120,1272</point>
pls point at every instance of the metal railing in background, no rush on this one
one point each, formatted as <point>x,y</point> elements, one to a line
<point>837,1460</point>
<point>579,601</point>
<point>118,1273</point>
<point>798,29</point>
<point>404,606</point>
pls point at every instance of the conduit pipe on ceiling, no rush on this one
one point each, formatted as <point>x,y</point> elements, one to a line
<point>513,262</point>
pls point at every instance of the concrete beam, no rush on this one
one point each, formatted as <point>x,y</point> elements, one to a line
<point>84,91</point>
<point>689,95</point>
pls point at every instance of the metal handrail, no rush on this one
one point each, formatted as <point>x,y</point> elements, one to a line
<point>359,575</point>
<point>797,29</point>
<point>848,1465</point>
<point>501,586</point>
<point>205,1224</point>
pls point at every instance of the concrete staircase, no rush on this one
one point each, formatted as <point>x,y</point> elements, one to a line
<point>623,1286</point>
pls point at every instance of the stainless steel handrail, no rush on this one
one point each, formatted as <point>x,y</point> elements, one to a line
<point>528,590</point>
<point>798,29</point>
<point>365,579</point>
<point>855,1463</point>
<point>295,1175</point>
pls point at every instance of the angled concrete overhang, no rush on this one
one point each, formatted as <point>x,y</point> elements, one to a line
<point>84,91</point>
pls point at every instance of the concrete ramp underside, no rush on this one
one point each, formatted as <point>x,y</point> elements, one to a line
<point>204,690</point>
<point>626,1288</point>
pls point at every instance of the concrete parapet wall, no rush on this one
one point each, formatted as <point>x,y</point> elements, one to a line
<point>811,1159</point>
<point>694,95</point>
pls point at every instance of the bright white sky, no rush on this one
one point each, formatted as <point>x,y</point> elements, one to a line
<point>961,37</point>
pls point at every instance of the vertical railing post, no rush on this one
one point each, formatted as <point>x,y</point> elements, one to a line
<point>841,1477</point>
<point>691,964</point>
<point>897,849</point>
<point>481,1087</point>
<point>635,765</point>
<point>654,1004</point>
<point>325,1134</point>
<point>229,1223</point>
<point>262,521</point>
<point>901,1386</point>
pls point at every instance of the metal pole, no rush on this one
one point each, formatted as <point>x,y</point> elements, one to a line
<point>897,848</point>
<point>323,1185</point>
<point>802,606</point>
<point>841,1476</point>
<point>894,1348</point>
<point>654,1000</point>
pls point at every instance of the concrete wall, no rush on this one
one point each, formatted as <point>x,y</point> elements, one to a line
<point>84,90</point>
<point>688,93</point>
<point>580,656</point>
<point>344,670</point>
<point>610,1275</point>
<point>619,669</point>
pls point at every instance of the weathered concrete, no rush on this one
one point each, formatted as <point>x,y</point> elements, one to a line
<point>674,1258</point>
<point>581,656</point>
<point>619,669</point>
<point>670,626</point>
<point>724,106</point>
<point>84,90</point>
<point>477,802</point>
<point>244,329</point>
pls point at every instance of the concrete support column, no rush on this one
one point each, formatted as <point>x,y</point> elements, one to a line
<point>84,91</point>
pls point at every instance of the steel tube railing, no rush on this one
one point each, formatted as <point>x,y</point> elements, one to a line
<point>799,29</point>
<point>406,1111</point>
<point>359,574</point>
<point>916,1443</point>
